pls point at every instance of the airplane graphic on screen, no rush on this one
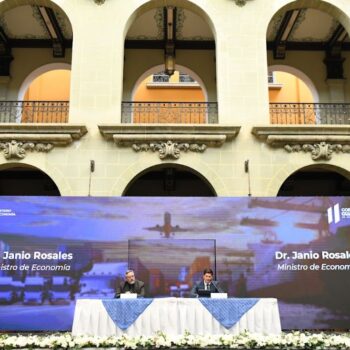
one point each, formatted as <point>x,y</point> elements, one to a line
<point>167,229</point>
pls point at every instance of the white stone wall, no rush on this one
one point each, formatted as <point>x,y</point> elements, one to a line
<point>103,74</point>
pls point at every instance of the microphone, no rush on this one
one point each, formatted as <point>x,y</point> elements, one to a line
<point>216,287</point>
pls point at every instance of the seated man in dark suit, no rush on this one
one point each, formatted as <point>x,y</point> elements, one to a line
<point>207,284</point>
<point>131,285</point>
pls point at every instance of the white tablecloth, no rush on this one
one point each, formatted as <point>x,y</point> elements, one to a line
<point>174,316</point>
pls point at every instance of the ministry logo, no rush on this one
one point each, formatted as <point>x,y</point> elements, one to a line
<point>335,213</point>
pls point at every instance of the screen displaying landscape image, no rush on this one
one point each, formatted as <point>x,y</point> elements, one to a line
<point>55,250</point>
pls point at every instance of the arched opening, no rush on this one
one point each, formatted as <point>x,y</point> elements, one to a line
<point>25,180</point>
<point>50,82</point>
<point>45,94</point>
<point>316,181</point>
<point>292,89</point>
<point>169,180</point>
<point>288,84</point>
<point>161,98</point>
<point>36,62</point>
<point>182,79</point>
<point>169,70</point>
<point>310,42</point>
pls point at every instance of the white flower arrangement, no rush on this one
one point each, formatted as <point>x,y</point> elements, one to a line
<point>293,340</point>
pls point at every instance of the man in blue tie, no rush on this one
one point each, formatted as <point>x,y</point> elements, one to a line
<point>207,284</point>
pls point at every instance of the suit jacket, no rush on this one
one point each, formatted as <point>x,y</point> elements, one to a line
<point>138,287</point>
<point>214,288</point>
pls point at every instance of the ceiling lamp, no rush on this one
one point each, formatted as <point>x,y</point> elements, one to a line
<point>169,37</point>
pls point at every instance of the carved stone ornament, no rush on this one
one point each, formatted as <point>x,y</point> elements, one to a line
<point>169,149</point>
<point>17,138</point>
<point>169,140</point>
<point>319,151</point>
<point>321,141</point>
<point>14,149</point>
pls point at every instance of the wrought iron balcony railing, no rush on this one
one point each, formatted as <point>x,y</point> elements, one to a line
<point>34,111</point>
<point>310,113</point>
<point>170,112</point>
<point>176,112</point>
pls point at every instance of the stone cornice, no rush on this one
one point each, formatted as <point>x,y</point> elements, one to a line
<point>169,140</point>
<point>322,141</point>
<point>16,139</point>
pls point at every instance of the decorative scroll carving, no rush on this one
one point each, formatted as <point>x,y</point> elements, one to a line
<point>198,148</point>
<point>43,147</point>
<point>169,140</point>
<point>169,149</point>
<point>321,141</point>
<point>319,151</point>
<point>15,149</point>
<point>140,147</point>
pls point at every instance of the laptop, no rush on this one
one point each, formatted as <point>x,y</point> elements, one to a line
<point>203,293</point>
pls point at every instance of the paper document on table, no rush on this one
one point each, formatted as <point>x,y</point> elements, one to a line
<point>218,295</point>
<point>128,296</point>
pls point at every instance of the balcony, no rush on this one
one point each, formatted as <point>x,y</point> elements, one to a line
<point>319,129</point>
<point>35,126</point>
<point>310,113</point>
<point>34,111</point>
<point>170,112</point>
<point>177,112</point>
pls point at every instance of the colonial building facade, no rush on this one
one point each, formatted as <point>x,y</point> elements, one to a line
<point>103,142</point>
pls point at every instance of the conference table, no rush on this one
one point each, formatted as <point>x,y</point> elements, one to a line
<point>175,316</point>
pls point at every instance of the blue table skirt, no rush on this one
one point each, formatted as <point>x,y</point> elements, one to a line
<point>124,312</point>
<point>228,311</point>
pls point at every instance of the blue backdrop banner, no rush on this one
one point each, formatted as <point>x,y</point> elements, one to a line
<point>56,250</point>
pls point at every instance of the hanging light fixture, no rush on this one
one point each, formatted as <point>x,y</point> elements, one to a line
<point>169,34</point>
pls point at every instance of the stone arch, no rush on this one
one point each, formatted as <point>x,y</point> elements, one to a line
<point>178,67</point>
<point>6,5</point>
<point>137,167</point>
<point>34,180</point>
<point>155,57</point>
<point>321,5</point>
<point>206,188</point>
<point>51,171</point>
<point>188,4</point>
<point>290,170</point>
<point>37,72</point>
<point>299,74</point>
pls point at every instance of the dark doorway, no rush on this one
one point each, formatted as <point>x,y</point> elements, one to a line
<point>26,181</point>
<point>315,181</point>
<point>170,181</point>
